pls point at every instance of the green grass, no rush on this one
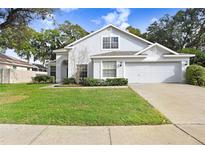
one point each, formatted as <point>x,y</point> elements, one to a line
<point>64,106</point>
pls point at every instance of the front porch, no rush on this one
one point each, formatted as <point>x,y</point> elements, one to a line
<point>62,65</point>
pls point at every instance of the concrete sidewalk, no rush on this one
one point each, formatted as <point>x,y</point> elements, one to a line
<point>97,135</point>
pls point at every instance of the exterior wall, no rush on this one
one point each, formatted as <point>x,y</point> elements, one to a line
<point>81,52</point>
<point>18,76</point>
<point>97,65</point>
<point>6,66</point>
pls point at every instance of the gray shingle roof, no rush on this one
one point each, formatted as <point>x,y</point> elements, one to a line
<point>117,53</point>
<point>13,61</point>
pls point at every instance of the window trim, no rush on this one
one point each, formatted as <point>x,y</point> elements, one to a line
<point>86,67</point>
<point>110,36</point>
<point>102,77</point>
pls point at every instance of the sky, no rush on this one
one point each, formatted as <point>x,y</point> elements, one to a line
<point>93,19</point>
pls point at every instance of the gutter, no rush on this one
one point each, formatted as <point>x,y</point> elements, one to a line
<point>135,56</point>
<point>179,56</point>
<point>62,50</point>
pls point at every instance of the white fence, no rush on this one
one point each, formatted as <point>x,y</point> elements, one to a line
<point>18,76</point>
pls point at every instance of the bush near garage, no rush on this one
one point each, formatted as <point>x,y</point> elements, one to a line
<point>116,82</point>
<point>195,75</point>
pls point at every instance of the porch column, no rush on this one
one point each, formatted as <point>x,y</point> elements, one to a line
<point>58,68</point>
<point>69,65</point>
<point>61,55</point>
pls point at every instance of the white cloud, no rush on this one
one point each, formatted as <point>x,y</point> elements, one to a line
<point>96,21</point>
<point>119,17</point>
<point>153,20</point>
<point>124,25</point>
<point>68,9</point>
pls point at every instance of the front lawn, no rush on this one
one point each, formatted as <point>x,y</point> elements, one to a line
<point>26,103</point>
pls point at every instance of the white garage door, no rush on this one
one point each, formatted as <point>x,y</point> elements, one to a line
<point>153,72</point>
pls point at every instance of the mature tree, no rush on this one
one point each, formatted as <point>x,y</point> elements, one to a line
<point>45,42</point>
<point>161,32</point>
<point>133,30</point>
<point>71,32</point>
<point>189,27</point>
<point>14,17</point>
<point>185,29</point>
<point>199,58</point>
<point>15,32</point>
<point>18,39</point>
<point>49,40</point>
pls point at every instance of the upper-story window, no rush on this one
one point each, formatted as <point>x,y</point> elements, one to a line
<point>110,42</point>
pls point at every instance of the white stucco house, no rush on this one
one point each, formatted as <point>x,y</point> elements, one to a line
<point>114,53</point>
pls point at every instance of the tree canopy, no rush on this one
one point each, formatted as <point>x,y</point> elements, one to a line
<point>199,58</point>
<point>186,29</point>
<point>48,40</point>
<point>133,30</point>
<point>14,17</point>
<point>27,42</point>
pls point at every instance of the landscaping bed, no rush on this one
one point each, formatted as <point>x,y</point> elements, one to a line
<point>71,82</point>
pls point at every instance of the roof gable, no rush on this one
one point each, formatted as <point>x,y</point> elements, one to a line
<point>159,46</point>
<point>108,26</point>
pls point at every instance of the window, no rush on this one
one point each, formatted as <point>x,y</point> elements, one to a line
<point>110,43</point>
<point>109,69</point>
<point>52,70</point>
<point>82,70</point>
<point>14,67</point>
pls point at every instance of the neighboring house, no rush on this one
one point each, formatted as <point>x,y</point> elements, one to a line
<point>13,70</point>
<point>39,67</point>
<point>51,65</point>
<point>114,53</point>
<point>8,62</point>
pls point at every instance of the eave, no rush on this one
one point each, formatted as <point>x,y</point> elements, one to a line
<point>109,57</point>
<point>62,50</point>
<point>179,56</point>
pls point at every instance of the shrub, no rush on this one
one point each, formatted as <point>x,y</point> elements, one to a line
<point>91,82</point>
<point>116,82</point>
<point>44,79</point>
<point>101,82</point>
<point>195,75</point>
<point>69,81</point>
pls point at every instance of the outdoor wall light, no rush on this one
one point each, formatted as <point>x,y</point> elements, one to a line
<point>185,62</point>
<point>120,64</point>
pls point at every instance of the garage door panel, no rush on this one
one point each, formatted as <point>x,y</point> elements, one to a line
<point>153,72</point>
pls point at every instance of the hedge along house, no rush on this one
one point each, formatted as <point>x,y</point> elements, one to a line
<point>114,53</point>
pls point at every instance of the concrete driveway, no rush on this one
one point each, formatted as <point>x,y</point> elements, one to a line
<point>183,105</point>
